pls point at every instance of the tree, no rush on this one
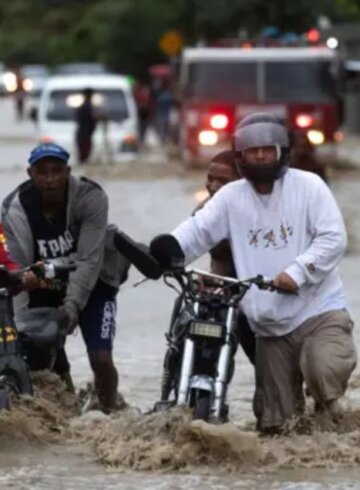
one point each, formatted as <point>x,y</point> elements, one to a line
<point>125,34</point>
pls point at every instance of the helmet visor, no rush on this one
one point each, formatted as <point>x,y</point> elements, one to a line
<point>260,134</point>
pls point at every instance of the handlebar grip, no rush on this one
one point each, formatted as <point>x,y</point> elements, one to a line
<point>49,270</point>
<point>284,291</point>
<point>64,268</point>
<point>271,287</point>
<point>267,284</point>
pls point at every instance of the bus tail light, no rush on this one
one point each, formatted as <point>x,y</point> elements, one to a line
<point>304,120</point>
<point>219,121</point>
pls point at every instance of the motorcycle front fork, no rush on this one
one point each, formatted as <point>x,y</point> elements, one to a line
<point>223,367</point>
<point>186,367</point>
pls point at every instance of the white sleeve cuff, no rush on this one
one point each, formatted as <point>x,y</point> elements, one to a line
<point>296,273</point>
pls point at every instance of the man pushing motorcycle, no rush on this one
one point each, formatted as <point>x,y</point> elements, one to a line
<point>285,224</point>
<point>57,217</point>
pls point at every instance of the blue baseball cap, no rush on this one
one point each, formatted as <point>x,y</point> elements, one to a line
<point>48,150</point>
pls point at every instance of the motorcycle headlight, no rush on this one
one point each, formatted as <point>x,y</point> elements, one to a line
<point>204,329</point>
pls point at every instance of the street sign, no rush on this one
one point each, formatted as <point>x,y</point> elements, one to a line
<point>171,43</point>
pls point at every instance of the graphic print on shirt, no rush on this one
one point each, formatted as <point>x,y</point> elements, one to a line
<point>270,236</point>
<point>59,249</point>
<point>254,237</point>
<point>53,242</point>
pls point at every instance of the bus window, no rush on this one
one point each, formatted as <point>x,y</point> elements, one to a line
<point>302,81</point>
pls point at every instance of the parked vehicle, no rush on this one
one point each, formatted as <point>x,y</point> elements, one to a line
<point>116,134</point>
<point>3,78</point>
<point>81,69</point>
<point>220,86</point>
<point>34,78</point>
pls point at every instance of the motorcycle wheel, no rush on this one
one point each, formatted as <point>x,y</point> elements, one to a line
<point>202,405</point>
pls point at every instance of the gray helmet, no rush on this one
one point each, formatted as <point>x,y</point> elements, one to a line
<point>256,130</point>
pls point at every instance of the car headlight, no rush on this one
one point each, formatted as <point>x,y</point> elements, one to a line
<point>10,82</point>
<point>28,84</point>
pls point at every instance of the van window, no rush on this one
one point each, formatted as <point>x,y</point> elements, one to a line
<point>110,103</point>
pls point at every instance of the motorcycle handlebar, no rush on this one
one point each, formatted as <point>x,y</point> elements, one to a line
<point>49,270</point>
<point>260,281</point>
<point>43,270</point>
<point>267,284</point>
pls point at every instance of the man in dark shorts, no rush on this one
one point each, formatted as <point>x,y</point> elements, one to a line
<point>56,217</point>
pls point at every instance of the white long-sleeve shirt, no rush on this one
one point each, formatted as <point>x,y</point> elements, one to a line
<point>298,228</point>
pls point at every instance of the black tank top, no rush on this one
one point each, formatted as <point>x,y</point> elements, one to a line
<point>53,242</point>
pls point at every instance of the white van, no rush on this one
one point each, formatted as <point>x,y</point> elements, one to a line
<point>115,138</point>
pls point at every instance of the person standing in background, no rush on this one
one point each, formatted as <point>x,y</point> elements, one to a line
<point>86,121</point>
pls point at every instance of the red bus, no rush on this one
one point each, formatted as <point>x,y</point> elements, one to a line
<point>219,86</point>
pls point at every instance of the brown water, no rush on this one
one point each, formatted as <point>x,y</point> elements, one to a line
<point>45,440</point>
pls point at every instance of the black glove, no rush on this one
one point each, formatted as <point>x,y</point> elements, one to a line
<point>167,251</point>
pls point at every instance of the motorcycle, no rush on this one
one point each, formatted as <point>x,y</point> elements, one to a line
<point>202,341</point>
<point>40,328</point>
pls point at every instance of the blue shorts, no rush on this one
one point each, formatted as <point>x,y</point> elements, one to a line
<point>97,321</point>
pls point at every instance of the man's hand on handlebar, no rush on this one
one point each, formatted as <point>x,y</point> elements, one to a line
<point>41,274</point>
<point>285,282</point>
<point>31,281</point>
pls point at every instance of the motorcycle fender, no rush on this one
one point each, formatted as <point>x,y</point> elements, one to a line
<point>202,382</point>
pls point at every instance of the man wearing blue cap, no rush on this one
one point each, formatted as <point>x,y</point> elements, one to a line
<point>56,216</point>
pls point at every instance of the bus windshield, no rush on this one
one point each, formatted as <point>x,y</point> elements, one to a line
<point>222,81</point>
<point>235,81</point>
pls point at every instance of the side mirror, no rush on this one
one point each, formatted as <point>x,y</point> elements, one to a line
<point>138,254</point>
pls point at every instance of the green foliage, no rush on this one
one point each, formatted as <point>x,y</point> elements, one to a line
<point>125,34</point>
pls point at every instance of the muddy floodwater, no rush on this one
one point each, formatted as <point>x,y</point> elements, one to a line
<point>45,442</point>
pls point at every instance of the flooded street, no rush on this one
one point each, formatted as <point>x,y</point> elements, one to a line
<point>147,197</point>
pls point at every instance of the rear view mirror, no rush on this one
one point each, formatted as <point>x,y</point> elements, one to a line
<point>138,254</point>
